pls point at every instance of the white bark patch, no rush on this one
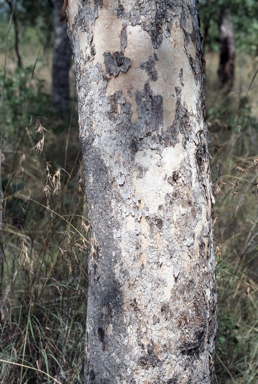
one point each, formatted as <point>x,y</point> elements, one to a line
<point>145,231</point>
<point>169,61</point>
<point>130,223</point>
<point>73,7</point>
<point>83,41</point>
<point>152,187</point>
<point>106,34</point>
<point>106,37</point>
<point>188,26</point>
<point>133,81</point>
<point>167,273</point>
<point>191,50</point>
<point>170,50</point>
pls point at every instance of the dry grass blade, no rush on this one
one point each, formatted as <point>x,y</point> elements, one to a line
<point>32,368</point>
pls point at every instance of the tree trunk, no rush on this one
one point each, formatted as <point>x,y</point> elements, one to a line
<point>227,52</point>
<point>151,303</point>
<point>13,8</point>
<point>61,65</point>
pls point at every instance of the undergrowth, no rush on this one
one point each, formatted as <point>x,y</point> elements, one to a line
<point>43,238</point>
<point>233,147</point>
<point>44,244</point>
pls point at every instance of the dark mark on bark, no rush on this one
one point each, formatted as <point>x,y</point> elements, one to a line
<point>165,311</point>
<point>149,67</point>
<point>150,112</point>
<point>150,360</point>
<point>143,360</point>
<point>134,305</point>
<point>119,58</point>
<point>180,124</point>
<point>201,155</point>
<point>187,39</point>
<point>164,308</point>
<point>116,63</point>
<point>158,222</point>
<point>172,137</point>
<point>193,326</point>
<point>133,146</point>
<point>195,68</point>
<point>170,3</point>
<point>181,77</point>
<point>101,334</point>
<point>149,349</point>
<point>113,111</point>
<point>123,39</point>
<point>92,374</point>
<point>140,171</point>
<point>175,176</point>
<point>120,9</point>
<point>98,3</point>
<point>172,381</point>
<point>173,179</point>
<point>192,349</point>
<point>112,298</point>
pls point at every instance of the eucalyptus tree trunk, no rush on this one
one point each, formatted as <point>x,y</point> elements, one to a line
<point>151,303</point>
<point>61,65</point>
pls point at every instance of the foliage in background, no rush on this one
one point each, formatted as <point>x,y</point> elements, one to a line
<point>22,100</point>
<point>244,15</point>
<point>36,14</point>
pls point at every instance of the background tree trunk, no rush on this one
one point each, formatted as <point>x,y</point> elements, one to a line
<point>227,52</point>
<point>151,303</point>
<point>13,7</point>
<point>61,65</point>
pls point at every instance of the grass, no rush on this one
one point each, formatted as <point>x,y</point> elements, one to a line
<point>44,234</point>
<point>44,286</point>
<point>233,134</point>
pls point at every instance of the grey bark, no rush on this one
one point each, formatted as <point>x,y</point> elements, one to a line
<point>152,294</point>
<point>61,65</point>
<point>226,68</point>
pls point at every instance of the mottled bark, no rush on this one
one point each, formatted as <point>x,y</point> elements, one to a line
<point>151,305</point>
<point>61,65</point>
<point>226,68</point>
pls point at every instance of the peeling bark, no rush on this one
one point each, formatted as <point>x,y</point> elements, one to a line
<point>152,294</point>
